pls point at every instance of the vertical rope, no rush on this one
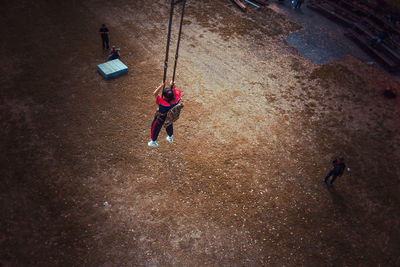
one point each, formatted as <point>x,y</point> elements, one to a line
<point>168,41</point>
<point>179,41</point>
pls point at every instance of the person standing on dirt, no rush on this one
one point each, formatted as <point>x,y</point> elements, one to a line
<point>169,98</point>
<point>104,36</point>
<point>338,168</point>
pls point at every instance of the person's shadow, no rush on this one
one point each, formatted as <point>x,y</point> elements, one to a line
<point>337,199</point>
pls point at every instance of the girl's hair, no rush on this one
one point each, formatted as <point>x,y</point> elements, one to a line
<point>168,95</point>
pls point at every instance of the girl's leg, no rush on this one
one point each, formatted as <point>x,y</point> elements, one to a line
<point>170,130</point>
<point>155,128</point>
<point>327,176</point>
<point>333,179</point>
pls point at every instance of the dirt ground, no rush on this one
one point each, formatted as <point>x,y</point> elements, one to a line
<point>240,185</point>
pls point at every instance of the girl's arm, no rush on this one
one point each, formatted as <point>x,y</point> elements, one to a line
<point>172,86</point>
<point>159,88</point>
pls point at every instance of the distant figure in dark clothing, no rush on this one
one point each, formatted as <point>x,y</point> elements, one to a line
<point>338,167</point>
<point>378,39</point>
<point>104,36</point>
<point>299,3</point>
<point>115,54</point>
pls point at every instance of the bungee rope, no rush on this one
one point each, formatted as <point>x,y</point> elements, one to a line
<point>169,40</point>
<point>179,40</point>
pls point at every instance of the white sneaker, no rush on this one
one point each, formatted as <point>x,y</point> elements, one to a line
<point>152,144</point>
<point>170,138</point>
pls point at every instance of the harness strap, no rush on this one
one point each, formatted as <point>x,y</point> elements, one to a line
<point>160,116</point>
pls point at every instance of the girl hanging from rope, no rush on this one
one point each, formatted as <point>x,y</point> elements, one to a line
<point>168,103</point>
<point>169,99</point>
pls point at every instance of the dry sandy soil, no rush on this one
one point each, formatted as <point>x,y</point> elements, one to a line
<point>240,185</point>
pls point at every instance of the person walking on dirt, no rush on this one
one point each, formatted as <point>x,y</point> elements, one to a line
<point>338,167</point>
<point>104,37</point>
<point>168,99</point>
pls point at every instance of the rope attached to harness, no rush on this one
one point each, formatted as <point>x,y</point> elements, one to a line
<point>179,40</point>
<point>169,40</point>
